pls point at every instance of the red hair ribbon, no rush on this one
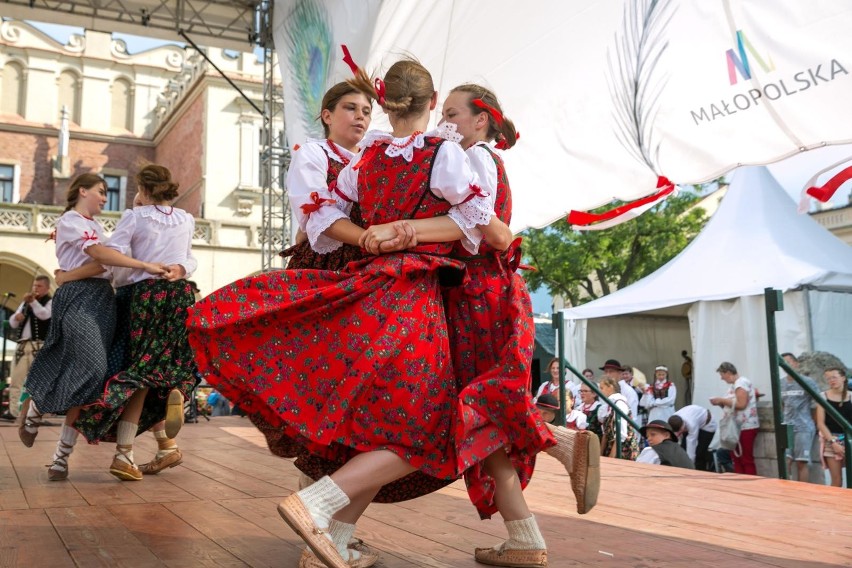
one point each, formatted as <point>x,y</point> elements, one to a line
<point>827,191</point>
<point>496,114</point>
<point>502,144</point>
<point>51,236</point>
<point>347,59</point>
<point>308,208</point>
<point>664,186</point>
<point>380,90</point>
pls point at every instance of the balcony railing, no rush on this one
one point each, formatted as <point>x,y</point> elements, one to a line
<point>37,219</point>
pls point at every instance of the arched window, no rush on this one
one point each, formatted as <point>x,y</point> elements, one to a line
<point>69,96</point>
<point>12,89</point>
<point>122,105</point>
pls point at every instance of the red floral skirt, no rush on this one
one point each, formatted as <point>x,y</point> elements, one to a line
<point>493,337</point>
<point>346,361</point>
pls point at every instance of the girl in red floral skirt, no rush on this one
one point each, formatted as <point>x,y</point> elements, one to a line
<point>355,362</point>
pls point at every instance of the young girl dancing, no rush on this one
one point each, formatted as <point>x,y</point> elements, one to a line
<point>355,362</point>
<point>71,367</point>
<point>160,372</point>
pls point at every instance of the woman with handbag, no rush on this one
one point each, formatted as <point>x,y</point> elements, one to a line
<point>740,403</point>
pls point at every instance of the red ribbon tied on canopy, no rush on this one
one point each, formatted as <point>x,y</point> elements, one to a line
<point>582,218</point>
<point>827,191</point>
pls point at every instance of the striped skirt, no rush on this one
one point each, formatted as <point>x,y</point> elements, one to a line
<point>71,367</point>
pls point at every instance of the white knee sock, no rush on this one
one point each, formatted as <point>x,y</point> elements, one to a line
<point>341,533</point>
<point>64,447</point>
<point>323,499</point>
<point>125,436</point>
<point>165,444</point>
<point>524,535</point>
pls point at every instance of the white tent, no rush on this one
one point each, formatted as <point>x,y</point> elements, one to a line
<point>709,299</point>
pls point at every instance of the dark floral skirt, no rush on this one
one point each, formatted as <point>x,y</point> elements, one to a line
<point>160,359</point>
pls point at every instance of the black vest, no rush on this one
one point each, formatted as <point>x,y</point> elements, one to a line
<point>672,454</point>
<point>38,327</point>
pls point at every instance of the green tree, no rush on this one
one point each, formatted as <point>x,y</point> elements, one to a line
<point>584,265</point>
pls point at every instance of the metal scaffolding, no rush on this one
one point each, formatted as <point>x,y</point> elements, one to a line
<point>274,154</point>
<point>229,24</point>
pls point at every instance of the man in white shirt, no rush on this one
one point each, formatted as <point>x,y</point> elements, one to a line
<point>695,426</point>
<point>32,321</point>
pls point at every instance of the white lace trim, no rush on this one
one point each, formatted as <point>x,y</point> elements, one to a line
<point>477,211</point>
<point>446,131</point>
<point>319,242</point>
<point>472,235</point>
<point>324,143</point>
<point>155,213</point>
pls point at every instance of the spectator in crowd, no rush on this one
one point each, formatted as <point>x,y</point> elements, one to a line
<point>552,386</point>
<point>629,391</point>
<point>799,413</point>
<point>623,376</point>
<point>663,448</point>
<point>615,428</point>
<point>832,433</point>
<point>589,374</point>
<point>696,427</point>
<point>659,398</point>
<point>594,410</point>
<point>742,401</point>
<point>548,406</point>
<point>219,405</point>
<point>30,321</point>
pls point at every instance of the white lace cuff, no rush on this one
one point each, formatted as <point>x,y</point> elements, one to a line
<point>472,235</point>
<point>317,224</point>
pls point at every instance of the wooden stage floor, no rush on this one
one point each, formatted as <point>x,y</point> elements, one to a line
<point>218,509</point>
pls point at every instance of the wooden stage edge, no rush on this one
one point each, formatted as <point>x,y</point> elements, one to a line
<point>219,509</point>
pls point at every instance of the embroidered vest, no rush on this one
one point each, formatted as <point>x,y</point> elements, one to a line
<point>662,392</point>
<point>390,188</point>
<point>38,328</point>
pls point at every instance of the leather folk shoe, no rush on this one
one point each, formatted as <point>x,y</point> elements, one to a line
<point>28,423</point>
<point>580,452</point>
<point>586,477</point>
<point>510,557</point>
<point>294,512</point>
<point>174,413</point>
<point>366,559</point>
<point>157,465</point>
<point>125,471</point>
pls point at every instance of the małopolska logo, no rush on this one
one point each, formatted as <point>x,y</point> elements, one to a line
<point>741,63</point>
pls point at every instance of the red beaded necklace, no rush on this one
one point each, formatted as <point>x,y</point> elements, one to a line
<point>337,151</point>
<point>171,210</point>
<point>408,142</point>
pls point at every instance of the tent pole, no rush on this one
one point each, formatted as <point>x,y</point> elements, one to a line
<point>774,302</point>
<point>559,325</point>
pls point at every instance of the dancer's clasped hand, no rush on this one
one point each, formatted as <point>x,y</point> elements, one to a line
<point>388,237</point>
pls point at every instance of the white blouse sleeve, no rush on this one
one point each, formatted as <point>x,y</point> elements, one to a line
<point>74,229</point>
<point>454,180</point>
<point>190,265</point>
<point>123,235</point>
<point>345,193</point>
<point>308,173</point>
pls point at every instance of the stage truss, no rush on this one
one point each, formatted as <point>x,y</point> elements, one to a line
<point>231,24</point>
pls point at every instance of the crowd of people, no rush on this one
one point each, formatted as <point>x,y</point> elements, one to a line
<point>815,436</point>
